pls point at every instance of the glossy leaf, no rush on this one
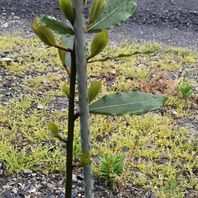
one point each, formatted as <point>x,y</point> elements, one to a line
<point>53,129</point>
<point>45,34</point>
<point>55,25</point>
<point>67,9</point>
<point>69,42</point>
<point>94,89</point>
<point>127,103</point>
<point>62,53</point>
<point>114,13</point>
<point>99,42</point>
<point>95,10</point>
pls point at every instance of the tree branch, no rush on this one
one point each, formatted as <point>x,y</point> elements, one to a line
<point>63,48</point>
<point>62,139</point>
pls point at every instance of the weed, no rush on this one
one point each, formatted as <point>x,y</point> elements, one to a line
<point>110,168</point>
<point>185,89</point>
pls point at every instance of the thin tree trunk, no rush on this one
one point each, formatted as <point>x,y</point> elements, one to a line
<point>81,59</point>
<point>71,120</point>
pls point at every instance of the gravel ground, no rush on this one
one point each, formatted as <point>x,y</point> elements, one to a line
<point>172,22</point>
<point>36,185</point>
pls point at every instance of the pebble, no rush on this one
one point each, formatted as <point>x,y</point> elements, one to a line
<point>5,25</point>
<point>174,113</point>
<point>138,174</point>
<point>8,60</point>
<point>40,106</point>
<point>14,190</point>
<point>27,171</point>
<point>74,178</point>
<point>7,92</point>
<point>7,194</point>
<point>152,195</point>
<point>32,190</point>
<point>16,18</point>
<point>74,193</point>
<point>80,177</point>
<point>21,195</point>
<point>4,53</point>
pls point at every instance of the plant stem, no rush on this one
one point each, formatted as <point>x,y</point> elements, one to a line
<point>62,139</point>
<point>71,120</point>
<point>63,48</point>
<point>81,59</point>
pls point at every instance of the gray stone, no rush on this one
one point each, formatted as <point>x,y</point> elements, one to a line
<point>5,25</point>
<point>27,171</point>
<point>7,194</point>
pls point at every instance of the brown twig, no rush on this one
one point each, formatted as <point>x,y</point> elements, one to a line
<point>63,48</point>
<point>61,139</point>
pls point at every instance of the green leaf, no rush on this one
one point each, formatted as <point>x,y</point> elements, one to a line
<point>95,10</point>
<point>69,42</point>
<point>85,159</point>
<point>66,90</point>
<point>55,25</point>
<point>53,129</point>
<point>67,9</point>
<point>84,2</point>
<point>62,53</point>
<point>99,42</point>
<point>114,13</point>
<point>94,89</point>
<point>45,34</point>
<point>133,103</point>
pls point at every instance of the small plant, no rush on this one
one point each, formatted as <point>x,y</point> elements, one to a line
<point>171,188</point>
<point>111,167</point>
<point>71,45</point>
<point>185,89</point>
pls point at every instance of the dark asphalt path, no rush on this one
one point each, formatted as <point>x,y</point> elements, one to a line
<point>174,13</point>
<point>172,22</point>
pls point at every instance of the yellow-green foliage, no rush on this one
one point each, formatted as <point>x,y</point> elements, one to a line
<point>28,55</point>
<point>164,159</point>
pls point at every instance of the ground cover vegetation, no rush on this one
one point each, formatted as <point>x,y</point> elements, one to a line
<point>152,151</point>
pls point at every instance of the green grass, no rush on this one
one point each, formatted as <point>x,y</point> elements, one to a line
<point>164,159</point>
